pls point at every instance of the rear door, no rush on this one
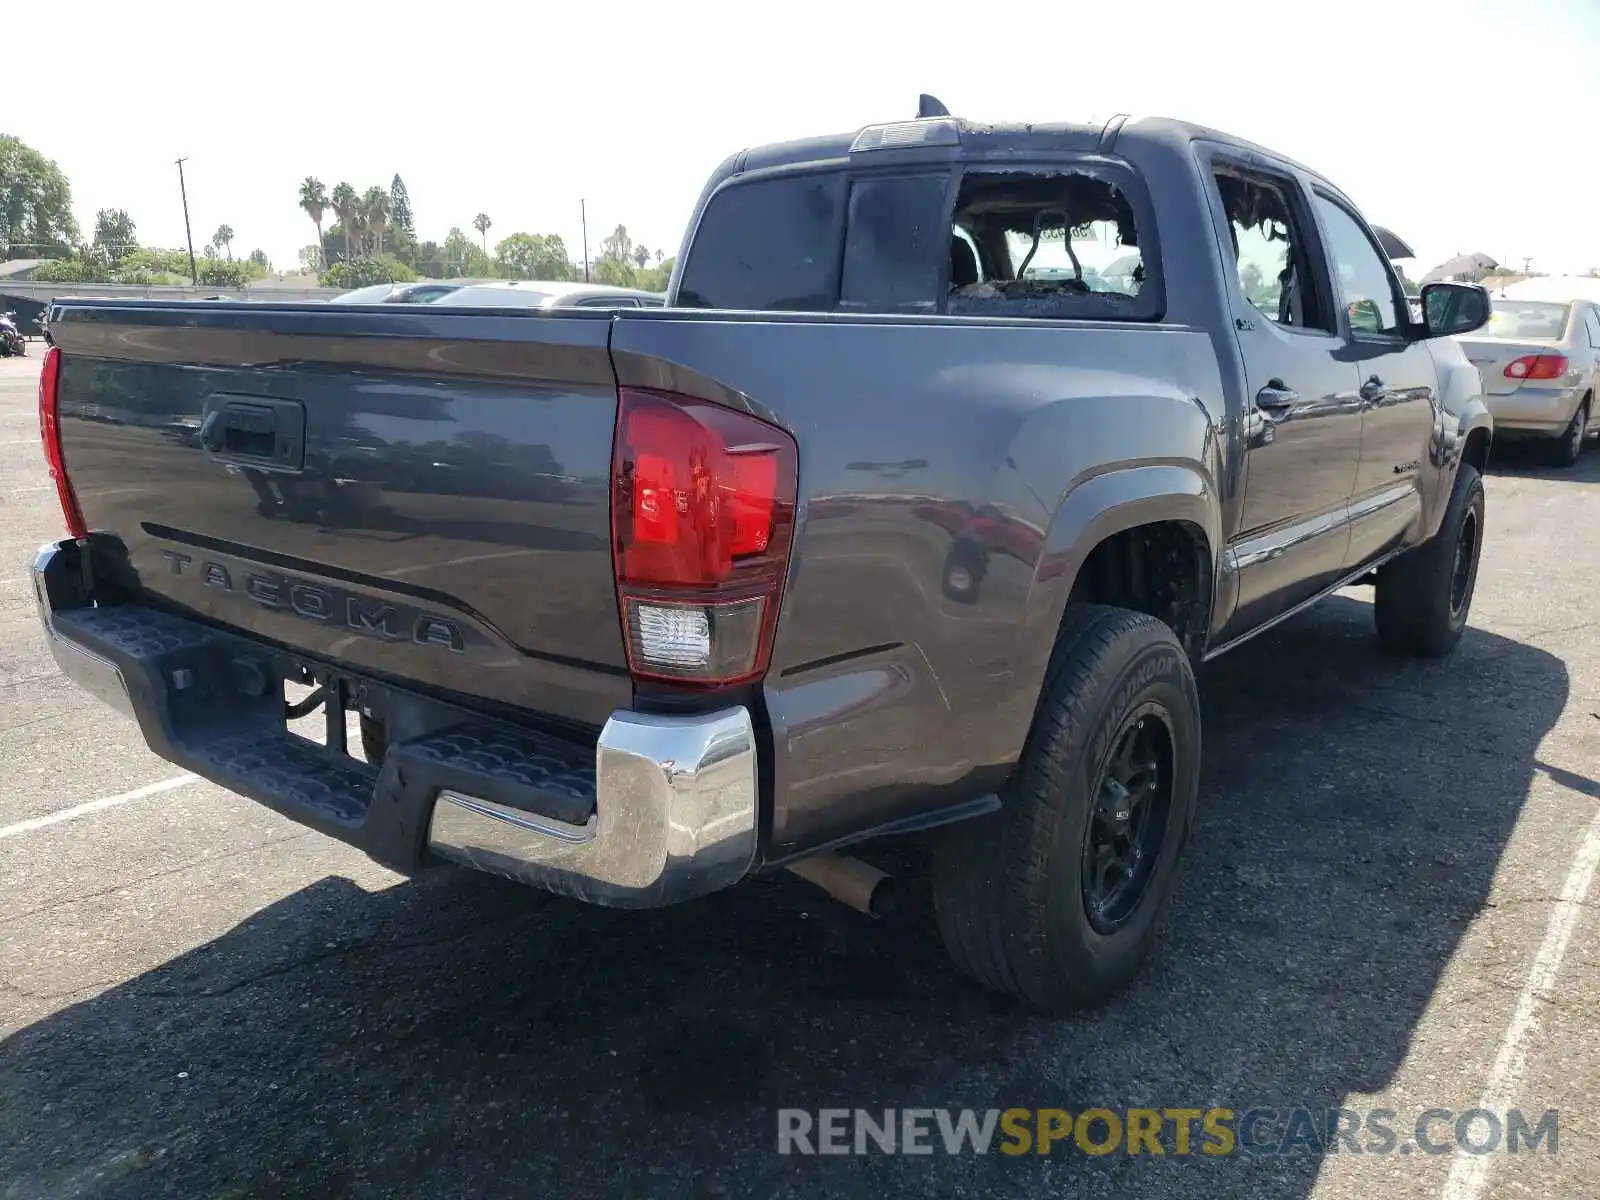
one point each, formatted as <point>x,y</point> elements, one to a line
<point>1303,416</point>
<point>1397,381</point>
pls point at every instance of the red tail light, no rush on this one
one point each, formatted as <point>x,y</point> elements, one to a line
<point>50,435</point>
<point>702,514</point>
<point>1537,366</point>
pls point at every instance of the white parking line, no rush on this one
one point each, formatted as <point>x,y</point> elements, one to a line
<point>93,806</point>
<point>1469,1174</point>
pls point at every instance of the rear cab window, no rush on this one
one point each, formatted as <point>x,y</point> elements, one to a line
<point>770,245</point>
<point>1058,241</point>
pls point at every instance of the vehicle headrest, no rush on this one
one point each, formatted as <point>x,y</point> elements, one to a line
<point>963,263</point>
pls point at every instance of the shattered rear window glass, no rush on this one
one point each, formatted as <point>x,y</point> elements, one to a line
<point>1049,244</point>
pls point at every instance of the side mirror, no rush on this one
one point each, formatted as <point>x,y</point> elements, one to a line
<point>1449,309</point>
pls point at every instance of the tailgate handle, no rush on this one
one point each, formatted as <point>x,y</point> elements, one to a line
<point>259,431</point>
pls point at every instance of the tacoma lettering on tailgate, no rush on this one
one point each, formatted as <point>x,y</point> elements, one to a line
<point>318,602</point>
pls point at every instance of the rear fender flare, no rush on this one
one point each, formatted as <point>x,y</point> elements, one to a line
<point>1093,510</point>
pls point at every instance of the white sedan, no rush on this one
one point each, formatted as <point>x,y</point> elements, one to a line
<point>1540,364</point>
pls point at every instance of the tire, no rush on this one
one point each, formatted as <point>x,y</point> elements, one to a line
<point>374,740</point>
<point>1569,446</point>
<point>1424,596</point>
<point>1013,893</point>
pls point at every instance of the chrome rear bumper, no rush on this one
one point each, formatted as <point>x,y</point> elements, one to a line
<point>675,816</point>
<point>671,800</point>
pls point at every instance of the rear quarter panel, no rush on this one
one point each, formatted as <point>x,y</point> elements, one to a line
<point>925,443</point>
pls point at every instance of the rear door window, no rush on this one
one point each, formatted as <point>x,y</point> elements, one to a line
<point>768,245</point>
<point>895,251</point>
<point>1061,243</point>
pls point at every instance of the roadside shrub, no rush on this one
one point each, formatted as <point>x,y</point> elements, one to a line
<point>365,272</point>
<point>63,270</point>
<point>219,272</point>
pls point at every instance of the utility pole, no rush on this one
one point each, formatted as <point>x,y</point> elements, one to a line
<point>583,215</point>
<point>194,272</point>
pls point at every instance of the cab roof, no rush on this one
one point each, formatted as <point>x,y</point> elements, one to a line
<point>979,140</point>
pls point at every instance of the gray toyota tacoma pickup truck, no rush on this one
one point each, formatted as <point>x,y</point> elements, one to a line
<point>957,449</point>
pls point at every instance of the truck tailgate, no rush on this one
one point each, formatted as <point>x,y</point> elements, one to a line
<point>420,495</point>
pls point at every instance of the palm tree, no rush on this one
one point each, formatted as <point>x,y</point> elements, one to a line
<point>314,199</point>
<point>375,208</point>
<point>344,207</point>
<point>641,256</point>
<point>224,237</point>
<point>481,223</point>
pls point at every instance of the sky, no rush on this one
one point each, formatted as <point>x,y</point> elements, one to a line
<point>1462,125</point>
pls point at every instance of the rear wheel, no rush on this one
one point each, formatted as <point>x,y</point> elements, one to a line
<point>1055,900</point>
<point>1423,596</point>
<point>374,740</point>
<point>1570,446</point>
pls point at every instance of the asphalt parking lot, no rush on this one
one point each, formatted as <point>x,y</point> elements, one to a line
<point>1386,905</point>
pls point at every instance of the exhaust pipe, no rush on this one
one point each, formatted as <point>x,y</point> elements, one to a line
<point>849,880</point>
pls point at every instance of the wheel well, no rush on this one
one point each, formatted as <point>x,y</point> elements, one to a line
<point>1476,450</point>
<point>1163,569</point>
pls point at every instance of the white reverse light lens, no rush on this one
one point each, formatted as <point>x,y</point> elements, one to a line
<point>673,637</point>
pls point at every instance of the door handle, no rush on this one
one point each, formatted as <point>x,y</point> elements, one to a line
<point>255,431</point>
<point>1373,390</point>
<point>1275,399</point>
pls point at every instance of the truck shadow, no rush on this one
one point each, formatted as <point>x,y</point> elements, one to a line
<point>454,1036</point>
<point>1530,459</point>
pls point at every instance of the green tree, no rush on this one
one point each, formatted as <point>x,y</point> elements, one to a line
<point>314,201</point>
<point>375,213</point>
<point>640,257</point>
<point>462,257</point>
<point>428,259</point>
<point>400,207</point>
<point>216,272</point>
<point>616,259</point>
<point>311,258</point>
<point>63,270</point>
<point>533,256</point>
<point>224,237</point>
<point>35,204</point>
<point>481,223</point>
<point>258,258</point>
<point>114,234</point>
<point>654,279</point>
<point>345,202</point>
<point>365,272</point>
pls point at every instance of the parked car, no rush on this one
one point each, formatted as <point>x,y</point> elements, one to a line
<point>867,534</point>
<point>1540,363</point>
<point>540,293</point>
<point>11,339</point>
<point>424,292</point>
